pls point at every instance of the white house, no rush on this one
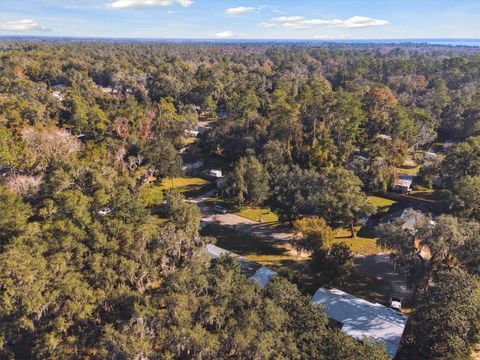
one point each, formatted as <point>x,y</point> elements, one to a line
<point>362,319</point>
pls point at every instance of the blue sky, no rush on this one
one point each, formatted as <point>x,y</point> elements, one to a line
<point>248,19</point>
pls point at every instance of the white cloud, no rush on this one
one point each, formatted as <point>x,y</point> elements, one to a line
<point>123,4</point>
<point>363,21</point>
<point>295,26</point>
<point>288,18</point>
<point>240,10</point>
<point>225,34</point>
<point>267,25</point>
<point>22,25</point>
<point>300,23</point>
<point>185,3</point>
<point>332,37</point>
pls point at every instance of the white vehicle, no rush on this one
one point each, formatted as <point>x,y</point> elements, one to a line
<point>396,303</point>
<point>220,209</point>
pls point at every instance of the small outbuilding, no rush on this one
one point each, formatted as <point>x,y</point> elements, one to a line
<point>216,173</point>
<point>403,183</point>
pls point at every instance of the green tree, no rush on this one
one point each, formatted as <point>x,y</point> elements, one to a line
<point>446,320</point>
<point>343,200</point>
<point>248,183</point>
<point>462,161</point>
<point>14,215</point>
<point>185,216</point>
<point>312,233</point>
<point>466,197</point>
<point>334,265</point>
<point>163,156</point>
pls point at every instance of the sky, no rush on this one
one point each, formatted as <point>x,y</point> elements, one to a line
<point>243,19</point>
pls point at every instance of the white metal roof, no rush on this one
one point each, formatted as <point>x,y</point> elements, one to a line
<point>257,273</point>
<point>263,275</point>
<point>362,319</point>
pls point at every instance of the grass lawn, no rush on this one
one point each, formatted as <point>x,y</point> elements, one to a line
<point>365,243</point>
<point>257,214</point>
<point>408,170</point>
<point>182,183</point>
<point>382,204</point>
<point>276,255</point>
<point>152,194</point>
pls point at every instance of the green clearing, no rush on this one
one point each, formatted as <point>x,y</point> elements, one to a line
<point>382,204</point>
<point>408,170</point>
<point>365,243</point>
<point>183,184</point>
<point>277,255</point>
<point>258,214</point>
<point>152,194</point>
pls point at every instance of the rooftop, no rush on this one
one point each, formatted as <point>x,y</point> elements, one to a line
<point>362,319</point>
<point>404,180</point>
<point>256,272</point>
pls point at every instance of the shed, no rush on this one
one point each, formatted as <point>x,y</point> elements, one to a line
<point>362,319</point>
<point>384,137</point>
<point>403,183</point>
<point>216,173</point>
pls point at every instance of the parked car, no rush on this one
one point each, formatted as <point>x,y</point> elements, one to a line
<point>220,209</point>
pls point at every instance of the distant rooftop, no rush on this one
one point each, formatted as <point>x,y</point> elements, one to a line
<point>362,319</point>
<point>256,272</point>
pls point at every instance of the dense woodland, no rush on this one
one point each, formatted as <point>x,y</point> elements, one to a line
<point>88,270</point>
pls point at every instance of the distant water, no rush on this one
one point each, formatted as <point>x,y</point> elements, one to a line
<point>445,42</point>
<point>455,43</point>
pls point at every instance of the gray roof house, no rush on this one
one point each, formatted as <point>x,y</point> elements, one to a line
<point>257,273</point>
<point>362,319</point>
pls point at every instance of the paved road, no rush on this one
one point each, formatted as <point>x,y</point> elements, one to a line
<point>378,266</point>
<point>260,230</point>
<point>244,225</point>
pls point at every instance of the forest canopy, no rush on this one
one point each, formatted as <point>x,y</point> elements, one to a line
<point>89,270</point>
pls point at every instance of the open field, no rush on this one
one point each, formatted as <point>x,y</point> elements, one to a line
<point>183,184</point>
<point>382,204</point>
<point>365,243</point>
<point>277,255</point>
<point>258,214</point>
<point>152,194</point>
<point>408,170</point>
